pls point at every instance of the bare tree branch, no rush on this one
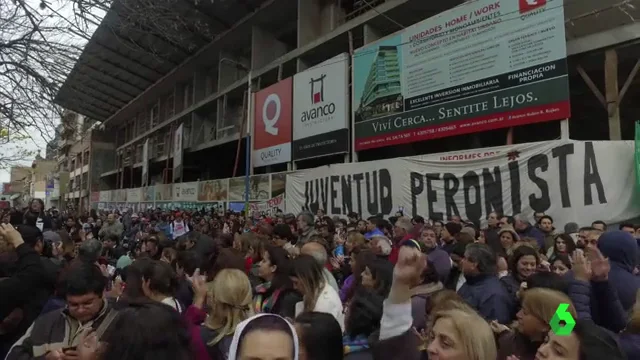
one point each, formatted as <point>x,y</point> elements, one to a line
<point>41,40</point>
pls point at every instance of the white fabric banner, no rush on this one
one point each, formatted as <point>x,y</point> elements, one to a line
<point>573,181</point>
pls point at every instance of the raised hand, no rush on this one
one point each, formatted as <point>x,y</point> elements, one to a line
<point>410,265</point>
<point>581,266</point>
<point>600,266</point>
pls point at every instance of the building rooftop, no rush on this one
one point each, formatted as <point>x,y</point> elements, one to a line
<point>139,42</point>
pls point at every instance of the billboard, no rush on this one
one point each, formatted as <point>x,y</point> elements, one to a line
<point>480,66</point>
<point>321,109</point>
<point>272,124</point>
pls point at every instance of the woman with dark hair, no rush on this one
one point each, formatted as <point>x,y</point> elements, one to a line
<point>160,283</point>
<point>134,292</point>
<point>320,336</point>
<point>264,336</point>
<point>35,215</point>
<point>523,263</point>
<point>317,295</point>
<point>561,264</point>
<point>276,295</point>
<point>140,331</point>
<point>562,245</point>
<point>358,262</point>
<point>587,341</point>
<point>227,259</point>
<point>377,276</point>
<point>365,313</point>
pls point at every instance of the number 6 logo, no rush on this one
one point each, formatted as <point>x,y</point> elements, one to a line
<point>562,315</point>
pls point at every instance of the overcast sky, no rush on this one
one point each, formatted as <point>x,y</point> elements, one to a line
<point>62,7</point>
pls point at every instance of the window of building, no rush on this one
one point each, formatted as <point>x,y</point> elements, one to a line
<point>188,94</point>
<point>170,106</point>
<point>154,114</point>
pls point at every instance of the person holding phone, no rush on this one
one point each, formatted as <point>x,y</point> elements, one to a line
<point>56,334</point>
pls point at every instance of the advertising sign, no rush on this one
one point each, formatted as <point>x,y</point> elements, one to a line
<point>258,188</point>
<point>163,192</point>
<point>177,153</point>
<point>121,195</point>
<point>213,190</point>
<point>185,191</point>
<point>105,196</point>
<point>272,124</point>
<point>134,196</point>
<point>483,65</point>
<point>268,207</point>
<point>320,109</point>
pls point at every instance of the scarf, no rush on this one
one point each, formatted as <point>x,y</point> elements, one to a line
<point>353,345</point>
<point>262,304</point>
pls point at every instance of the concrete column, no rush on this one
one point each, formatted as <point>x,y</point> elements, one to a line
<point>309,21</point>
<point>331,15</point>
<point>370,33</point>
<point>564,129</point>
<point>219,115</point>
<point>200,85</point>
<point>265,48</point>
<point>301,65</point>
<point>230,69</point>
<point>197,129</point>
<point>612,93</point>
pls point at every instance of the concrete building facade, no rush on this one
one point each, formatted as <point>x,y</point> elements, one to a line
<point>142,84</point>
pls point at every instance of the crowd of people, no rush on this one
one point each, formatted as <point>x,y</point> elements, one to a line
<point>203,285</point>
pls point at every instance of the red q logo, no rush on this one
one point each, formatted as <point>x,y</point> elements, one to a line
<point>270,118</point>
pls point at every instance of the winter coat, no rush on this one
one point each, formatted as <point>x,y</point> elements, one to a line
<point>489,297</point>
<point>419,297</point>
<point>622,250</point>
<point>512,342</point>
<point>535,233</point>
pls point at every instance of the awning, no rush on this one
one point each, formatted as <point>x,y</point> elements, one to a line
<point>138,43</point>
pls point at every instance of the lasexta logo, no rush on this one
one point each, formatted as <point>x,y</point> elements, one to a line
<point>317,89</point>
<point>528,5</point>
<point>271,113</point>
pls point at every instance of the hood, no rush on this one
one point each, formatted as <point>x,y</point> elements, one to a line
<point>620,247</point>
<point>235,343</point>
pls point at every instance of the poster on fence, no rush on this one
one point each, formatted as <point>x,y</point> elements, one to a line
<point>268,207</point>
<point>573,181</point>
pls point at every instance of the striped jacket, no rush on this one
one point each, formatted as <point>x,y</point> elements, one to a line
<point>56,330</point>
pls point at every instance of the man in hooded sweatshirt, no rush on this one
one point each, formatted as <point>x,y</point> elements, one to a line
<point>622,251</point>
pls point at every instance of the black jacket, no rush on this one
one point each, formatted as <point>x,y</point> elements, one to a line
<point>28,275</point>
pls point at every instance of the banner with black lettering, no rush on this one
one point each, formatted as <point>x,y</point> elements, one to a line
<point>573,181</point>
